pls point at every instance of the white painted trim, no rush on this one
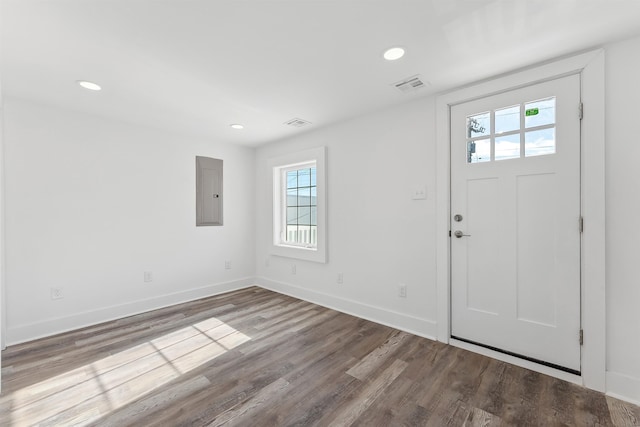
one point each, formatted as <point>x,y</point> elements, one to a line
<point>591,66</point>
<point>276,165</point>
<point>594,321</point>
<point>3,297</point>
<point>413,325</point>
<point>623,387</point>
<point>535,73</point>
<point>32,331</point>
<point>443,224</point>
<point>536,367</point>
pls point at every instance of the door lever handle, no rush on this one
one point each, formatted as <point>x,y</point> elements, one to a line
<point>459,234</point>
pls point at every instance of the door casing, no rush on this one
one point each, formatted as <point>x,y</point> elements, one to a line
<point>591,67</point>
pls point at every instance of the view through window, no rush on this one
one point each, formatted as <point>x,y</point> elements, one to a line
<point>301,206</point>
<point>512,132</point>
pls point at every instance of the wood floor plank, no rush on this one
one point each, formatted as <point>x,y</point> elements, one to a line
<point>374,359</point>
<point>623,414</point>
<point>293,355</point>
<point>255,357</point>
<point>361,401</point>
<point>479,418</point>
<point>237,415</point>
<point>315,400</point>
<point>136,413</point>
<point>224,394</point>
<point>388,411</point>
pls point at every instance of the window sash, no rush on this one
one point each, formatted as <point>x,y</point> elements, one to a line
<point>283,206</point>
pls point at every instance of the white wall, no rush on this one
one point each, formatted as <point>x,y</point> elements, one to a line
<point>91,204</point>
<point>623,211</point>
<point>378,236</point>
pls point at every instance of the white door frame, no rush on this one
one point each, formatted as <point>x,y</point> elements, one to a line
<point>3,311</point>
<point>591,67</point>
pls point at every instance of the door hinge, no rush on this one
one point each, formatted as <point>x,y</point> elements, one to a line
<point>449,233</point>
<point>581,111</point>
<point>581,337</point>
<point>581,224</point>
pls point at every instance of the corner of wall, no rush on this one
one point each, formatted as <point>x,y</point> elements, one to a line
<point>623,387</point>
<point>416,326</point>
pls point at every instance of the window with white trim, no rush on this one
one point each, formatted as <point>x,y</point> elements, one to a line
<point>299,207</point>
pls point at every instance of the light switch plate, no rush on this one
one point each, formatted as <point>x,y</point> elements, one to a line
<point>419,193</point>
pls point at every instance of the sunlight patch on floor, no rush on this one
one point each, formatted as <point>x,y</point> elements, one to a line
<point>90,392</point>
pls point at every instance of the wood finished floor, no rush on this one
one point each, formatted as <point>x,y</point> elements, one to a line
<point>257,358</point>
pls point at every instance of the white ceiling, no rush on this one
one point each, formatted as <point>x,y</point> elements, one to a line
<point>196,66</point>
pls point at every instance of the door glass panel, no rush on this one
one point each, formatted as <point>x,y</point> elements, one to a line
<point>479,151</point>
<point>507,119</point>
<point>479,125</point>
<point>504,140</point>
<point>540,113</point>
<point>508,147</point>
<point>540,142</point>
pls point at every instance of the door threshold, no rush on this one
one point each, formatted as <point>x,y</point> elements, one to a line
<point>571,376</point>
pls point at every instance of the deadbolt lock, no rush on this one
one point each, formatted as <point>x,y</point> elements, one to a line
<point>457,217</point>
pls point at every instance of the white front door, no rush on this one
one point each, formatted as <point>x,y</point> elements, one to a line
<point>515,205</point>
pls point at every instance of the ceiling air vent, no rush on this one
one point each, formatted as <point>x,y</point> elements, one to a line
<point>297,123</point>
<point>410,84</point>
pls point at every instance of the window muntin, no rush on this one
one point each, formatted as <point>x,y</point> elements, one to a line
<point>512,132</point>
<point>300,227</point>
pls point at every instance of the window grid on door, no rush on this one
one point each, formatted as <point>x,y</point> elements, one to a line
<point>512,132</point>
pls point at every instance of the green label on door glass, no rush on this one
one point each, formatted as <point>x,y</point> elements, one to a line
<point>531,112</point>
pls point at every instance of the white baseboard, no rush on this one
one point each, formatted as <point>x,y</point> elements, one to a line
<point>623,387</point>
<point>32,331</point>
<point>414,325</point>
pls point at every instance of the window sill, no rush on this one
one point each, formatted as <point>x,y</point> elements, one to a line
<point>299,252</point>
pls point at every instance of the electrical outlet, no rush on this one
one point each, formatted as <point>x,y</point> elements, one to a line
<point>419,193</point>
<point>227,265</point>
<point>340,278</point>
<point>56,293</point>
<point>402,290</point>
<point>293,269</point>
<point>148,276</point>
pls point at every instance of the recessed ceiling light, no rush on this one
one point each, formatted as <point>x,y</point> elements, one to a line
<point>89,85</point>
<point>393,53</point>
<point>237,126</point>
